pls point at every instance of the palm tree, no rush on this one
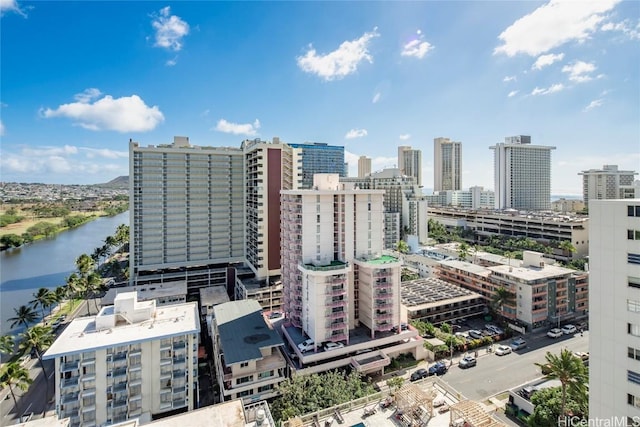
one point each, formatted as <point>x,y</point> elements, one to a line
<point>463,251</point>
<point>501,297</point>
<point>7,343</point>
<point>567,248</point>
<point>39,338</point>
<point>402,247</point>
<point>77,287</point>
<point>94,287</point>
<point>24,315</point>
<point>570,371</point>
<point>15,376</point>
<point>85,265</point>
<point>42,299</point>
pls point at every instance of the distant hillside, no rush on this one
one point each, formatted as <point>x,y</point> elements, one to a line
<point>119,182</point>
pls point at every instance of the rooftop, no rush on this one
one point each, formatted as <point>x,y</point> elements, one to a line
<point>243,331</point>
<point>213,295</point>
<point>383,259</point>
<point>478,270</point>
<point>531,273</point>
<point>147,292</point>
<point>227,414</point>
<point>430,290</point>
<point>81,334</point>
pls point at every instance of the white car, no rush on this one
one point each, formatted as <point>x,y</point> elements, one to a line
<point>333,346</point>
<point>555,333</point>
<point>502,350</point>
<point>306,345</point>
<point>569,329</point>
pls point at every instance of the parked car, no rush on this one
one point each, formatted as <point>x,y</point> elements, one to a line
<point>462,335</point>
<point>333,346</point>
<point>306,345</point>
<point>275,315</point>
<point>569,329</point>
<point>493,328</point>
<point>475,333</point>
<point>503,350</point>
<point>440,368</point>
<point>555,333</point>
<point>584,356</point>
<point>467,362</point>
<point>419,374</point>
<point>518,344</point>
<point>403,327</point>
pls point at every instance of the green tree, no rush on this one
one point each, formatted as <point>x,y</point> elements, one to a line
<point>24,315</point>
<point>302,394</point>
<point>501,297</point>
<point>14,376</point>
<point>11,240</point>
<point>402,247</point>
<point>42,298</point>
<point>567,248</point>
<point>547,403</point>
<point>7,344</point>
<point>463,251</point>
<point>570,371</point>
<point>395,384</point>
<point>40,338</point>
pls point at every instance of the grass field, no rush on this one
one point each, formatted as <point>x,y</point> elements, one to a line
<point>22,226</point>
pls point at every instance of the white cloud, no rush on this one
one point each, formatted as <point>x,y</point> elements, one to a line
<point>356,133</point>
<point>625,27</point>
<point>125,114</point>
<point>552,25</point>
<point>340,62</point>
<point>513,93</point>
<point>376,97</point>
<point>405,136</point>
<point>417,47</point>
<point>593,104</point>
<point>1,128</point>
<point>579,71</point>
<point>104,153</point>
<point>546,91</point>
<point>249,129</point>
<point>11,6</point>
<point>546,60</point>
<point>171,62</point>
<point>48,151</point>
<point>508,79</point>
<point>170,29</point>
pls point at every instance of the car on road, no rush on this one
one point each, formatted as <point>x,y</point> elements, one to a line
<point>584,356</point>
<point>518,343</point>
<point>493,328</point>
<point>474,333</point>
<point>275,315</point>
<point>333,346</point>
<point>555,333</point>
<point>569,329</point>
<point>440,368</point>
<point>467,362</point>
<point>419,374</point>
<point>306,345</point>
<point>503,350</point>
<point>403,327</point>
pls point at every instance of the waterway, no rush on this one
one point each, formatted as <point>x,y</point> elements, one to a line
<point>47,263</point>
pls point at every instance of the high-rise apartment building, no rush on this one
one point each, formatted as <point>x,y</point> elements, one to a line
<point>410,163</point>
<point>522,174</point>
<point>132,360</point>
<point>447,165</point>
<point>364,166</point>
<point>318,157</point>
<point>614,313</point>
<point>187,209</point>
<point>269,168</point>
<point>607,183</point>
<point>333,272</point>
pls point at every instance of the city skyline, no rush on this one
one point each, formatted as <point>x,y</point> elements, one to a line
<point>383,76</point>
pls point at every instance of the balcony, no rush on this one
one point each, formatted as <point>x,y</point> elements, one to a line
<point>335,314</point>
<point>120,372</point>
<point>179,345</point>
<point>179,403</point>
<point>121,386</point>
<point>69,397</point>
<point>118,403</point>
<point>383,285</point>
<point>178,373</point>
<point>337,326</point>
<point>380,304</point>
<point>336,303</point>
<point>69,366</point>
<point>383,316</point>
<point>69,382</point>
<point>337,291</point>
<point>119,356</point>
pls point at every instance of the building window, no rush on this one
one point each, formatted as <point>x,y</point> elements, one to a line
<point>633,377</point>
<point>633,353</point>
<point>634,282</point>
<point>266,374</point>
<point>244,380</point>
<point>633,259</point>
<point>633,306</point>
<point>244,364</point>
<point>633,210</point>
<point>245,393</point>
<point>264,388</point>
<point>633,234</point>
<point>633,400</point>
<point>633,329</point>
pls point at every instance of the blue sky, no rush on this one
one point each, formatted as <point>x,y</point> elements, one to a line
<point>79,79</point>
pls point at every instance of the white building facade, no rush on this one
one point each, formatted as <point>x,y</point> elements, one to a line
<point>364,166</point>
<point>522,174</point>
<point>614,313</point>
<point>328,235</point>
<point>607,183</point>
<point>410,163</point>
<point>131,360</point>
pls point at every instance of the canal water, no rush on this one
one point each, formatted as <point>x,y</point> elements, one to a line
<point>47,263</point>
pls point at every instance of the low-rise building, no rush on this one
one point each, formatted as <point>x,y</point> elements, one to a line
<point>210,297</point>
<point>248,360</point>
<point>161,293</point>
<point>267,291</point>
<point>131,360</point>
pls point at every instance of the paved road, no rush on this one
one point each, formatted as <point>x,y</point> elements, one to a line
<point>495,374</point>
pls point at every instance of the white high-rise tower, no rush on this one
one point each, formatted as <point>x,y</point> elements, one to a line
<point>447,165</point>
